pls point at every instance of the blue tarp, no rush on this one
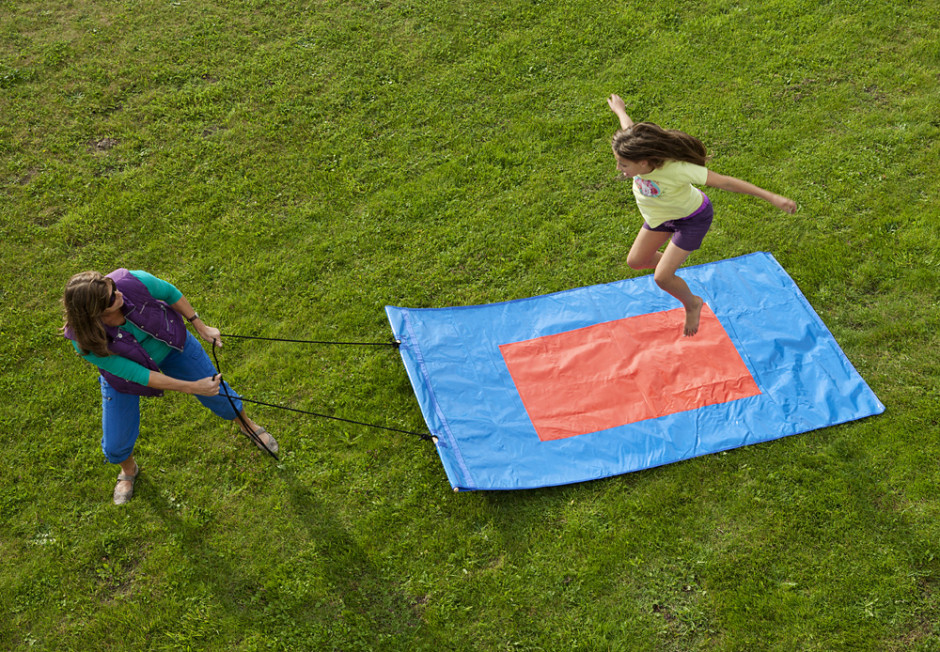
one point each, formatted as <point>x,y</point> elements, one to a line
<point>487,440</point>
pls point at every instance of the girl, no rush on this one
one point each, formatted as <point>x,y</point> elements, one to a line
<point>664,164</point>
<point>130,325</point>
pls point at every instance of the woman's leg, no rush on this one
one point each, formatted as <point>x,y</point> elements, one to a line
<point>120,426</point>
<point>193,363</point>
<point>120,423</point>
<point>666,279</point>
<point>259,433</point>
<point>124,489</point>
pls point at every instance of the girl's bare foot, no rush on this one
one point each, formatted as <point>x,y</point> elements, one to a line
<point>692,317</point>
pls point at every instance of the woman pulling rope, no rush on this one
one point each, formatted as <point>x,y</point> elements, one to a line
<point>130,324</point>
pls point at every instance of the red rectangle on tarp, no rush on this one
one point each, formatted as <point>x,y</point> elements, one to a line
<point>623,371</point>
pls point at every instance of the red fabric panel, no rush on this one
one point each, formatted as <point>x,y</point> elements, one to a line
<point>619,372</point>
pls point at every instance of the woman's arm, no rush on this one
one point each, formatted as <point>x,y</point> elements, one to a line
<point>208,386</point>
<point>208,333</point>
<point>734,184</point>
<point>617,105</point>
<point>115,364</point>
<point>166,291</point>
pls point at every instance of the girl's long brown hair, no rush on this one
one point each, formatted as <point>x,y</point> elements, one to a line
<point>86,297</point>
<point>645,141</point>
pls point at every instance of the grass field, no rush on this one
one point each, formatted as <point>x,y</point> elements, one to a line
<point>293,167</point>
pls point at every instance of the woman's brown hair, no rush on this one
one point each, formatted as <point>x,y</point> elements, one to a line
<point>645,141</point>
<point>86,297</point>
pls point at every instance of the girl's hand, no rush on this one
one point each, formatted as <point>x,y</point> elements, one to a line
<point>784,204</point>
<point>616,104</point>
<point>208,386</point>
<point>210,334</point>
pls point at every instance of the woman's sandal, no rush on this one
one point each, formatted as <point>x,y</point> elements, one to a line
<point>121,496</point>
<point>270,445</point>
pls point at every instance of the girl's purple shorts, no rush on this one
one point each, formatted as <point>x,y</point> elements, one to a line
<point>688,232</point>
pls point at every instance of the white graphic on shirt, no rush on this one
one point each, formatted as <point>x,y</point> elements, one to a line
<point>646,187</point>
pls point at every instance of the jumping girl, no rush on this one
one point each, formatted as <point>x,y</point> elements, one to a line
<point>130,324</point>
<point>663,165</point>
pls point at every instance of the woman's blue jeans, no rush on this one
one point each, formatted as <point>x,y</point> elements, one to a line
<point>120,413</point>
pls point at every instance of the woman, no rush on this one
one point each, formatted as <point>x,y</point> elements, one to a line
<point>130,324</point>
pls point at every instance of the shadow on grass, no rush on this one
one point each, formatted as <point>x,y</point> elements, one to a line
<point>325,592</point>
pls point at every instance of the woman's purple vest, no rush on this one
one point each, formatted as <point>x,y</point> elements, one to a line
<point>154,317</point>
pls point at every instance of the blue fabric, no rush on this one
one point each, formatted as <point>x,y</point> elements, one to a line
<point>486,440</point>
<point>120,422</point>
<point>120,412</point>
<point>193,363</point>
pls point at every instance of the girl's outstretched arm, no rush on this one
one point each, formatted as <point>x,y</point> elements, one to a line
<point>734,184</point>
<point>617,105</point>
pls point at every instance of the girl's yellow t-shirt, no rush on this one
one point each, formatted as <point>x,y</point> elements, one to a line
<point>667,193</point>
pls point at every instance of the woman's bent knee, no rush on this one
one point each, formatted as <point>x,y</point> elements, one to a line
<point>117,452</point>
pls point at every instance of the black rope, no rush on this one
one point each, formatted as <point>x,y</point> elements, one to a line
<point>248,430</point>
<point>393,342</point>
<point>423,435</point>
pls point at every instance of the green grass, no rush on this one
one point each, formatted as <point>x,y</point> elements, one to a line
<point>294,167</point>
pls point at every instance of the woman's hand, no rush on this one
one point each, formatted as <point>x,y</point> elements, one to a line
<point>208,333</point>
<point>208,386</point>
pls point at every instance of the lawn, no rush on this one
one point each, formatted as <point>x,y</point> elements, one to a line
<point>293,167</point>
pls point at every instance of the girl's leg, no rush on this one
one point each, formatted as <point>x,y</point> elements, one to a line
<point>665,277</point>
<point>645,254</point>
